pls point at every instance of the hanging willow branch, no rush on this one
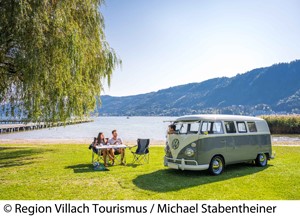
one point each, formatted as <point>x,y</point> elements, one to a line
<point>54,58</point>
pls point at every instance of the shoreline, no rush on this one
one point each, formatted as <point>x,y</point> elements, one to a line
<point>69,141</point>
<point>128,142</point>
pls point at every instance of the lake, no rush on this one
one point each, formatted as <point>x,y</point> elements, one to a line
<point>128,128</point>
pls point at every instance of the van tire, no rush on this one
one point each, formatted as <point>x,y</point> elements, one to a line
<point>261,160</point>
<point>216,166</point>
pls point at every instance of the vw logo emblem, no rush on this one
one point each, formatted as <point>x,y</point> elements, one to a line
<point>175,144</point>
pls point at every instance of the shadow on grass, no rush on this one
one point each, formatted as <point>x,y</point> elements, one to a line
<point>19,156</point>
<point>88,167</point>
<point>167,180</point>
<point>84,168</point>
<point>133,165</point>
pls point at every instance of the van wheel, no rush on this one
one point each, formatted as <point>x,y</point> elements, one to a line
<point>261,160</point>
<point>216,166</point>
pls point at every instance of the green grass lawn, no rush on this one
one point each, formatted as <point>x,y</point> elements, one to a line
<point>47,172</point>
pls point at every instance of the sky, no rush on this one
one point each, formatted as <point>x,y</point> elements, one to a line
<point>165,43</point>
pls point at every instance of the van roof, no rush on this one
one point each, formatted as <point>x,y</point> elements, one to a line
<point>215,117</point>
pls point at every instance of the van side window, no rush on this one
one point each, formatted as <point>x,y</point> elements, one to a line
<point>252,126</point>
<point>212,127</point>
<point>204,127</point>
<point>217,128</point>
<point>230,127</point>
<point>241,127</point>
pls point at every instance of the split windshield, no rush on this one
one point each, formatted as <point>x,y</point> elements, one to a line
<point>187,128</point>
<point>207,127</point>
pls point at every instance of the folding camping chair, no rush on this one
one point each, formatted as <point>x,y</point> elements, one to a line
<point>142,151</point>
<point>97,156</point>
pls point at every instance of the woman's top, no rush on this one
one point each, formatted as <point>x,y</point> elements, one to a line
<point>101,143</point>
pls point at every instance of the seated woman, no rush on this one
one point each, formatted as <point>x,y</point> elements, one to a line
<point>102,141</point>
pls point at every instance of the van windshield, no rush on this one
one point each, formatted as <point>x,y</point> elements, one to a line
<point>187,128</point>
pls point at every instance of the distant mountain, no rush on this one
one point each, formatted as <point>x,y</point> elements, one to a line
<point>274,89</point>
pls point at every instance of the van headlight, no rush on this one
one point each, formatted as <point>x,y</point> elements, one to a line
<point>189,152</point>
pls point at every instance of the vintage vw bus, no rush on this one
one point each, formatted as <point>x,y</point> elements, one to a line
<point>201,142</point>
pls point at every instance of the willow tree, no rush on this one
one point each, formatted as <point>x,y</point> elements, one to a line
<point>54,58</point>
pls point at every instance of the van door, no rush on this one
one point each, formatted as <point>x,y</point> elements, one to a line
<point>211,141</point>
<point>237,141</point>
<point>243,142</point>
<point>232,150</point>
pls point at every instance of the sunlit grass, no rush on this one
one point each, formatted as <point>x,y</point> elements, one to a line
<point>65,172</point>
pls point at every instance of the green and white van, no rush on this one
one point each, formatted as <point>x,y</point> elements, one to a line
<point>202,142</point>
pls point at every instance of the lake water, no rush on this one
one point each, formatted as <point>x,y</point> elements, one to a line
<point>129,129</point>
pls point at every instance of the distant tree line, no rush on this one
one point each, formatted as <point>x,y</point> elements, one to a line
<point>283,124</point>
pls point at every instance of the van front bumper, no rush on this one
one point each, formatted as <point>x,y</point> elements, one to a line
<point>182,164</point>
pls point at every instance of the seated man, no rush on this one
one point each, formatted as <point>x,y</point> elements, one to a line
<point>172,129</point>
<point>115,140</point>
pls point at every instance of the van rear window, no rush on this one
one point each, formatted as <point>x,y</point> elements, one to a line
<point>252,126</point>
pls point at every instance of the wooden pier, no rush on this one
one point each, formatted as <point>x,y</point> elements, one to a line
<point>11,126</point>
